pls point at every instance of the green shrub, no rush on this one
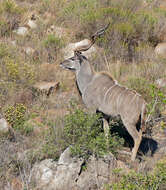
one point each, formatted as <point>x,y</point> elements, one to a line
<point>141,85</point>
<point>138,181</point>
<point>3,49</point>
<point>85,133</point>
<point>16,115</point>
<point>10,6</point>
<point>14,70</point>
<point>16,74</point>
<point>154,96</point>
<point>18,118</point>
<point>51,148</point>
<point>157,103</point>
<point>27,127</point>
<point>77,6</point>
<point>53,42</point>
<point>3,27</point>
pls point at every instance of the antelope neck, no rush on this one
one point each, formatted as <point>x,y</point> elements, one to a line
<point>84,76</point>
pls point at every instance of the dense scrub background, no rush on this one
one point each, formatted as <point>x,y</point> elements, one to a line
<point>127,52</point>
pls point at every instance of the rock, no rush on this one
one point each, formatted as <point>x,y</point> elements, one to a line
<point>46,87</point>
<point>53,176</point>
<point>31,24</point>
<point>4,126</point>
<point>97,173</point>
<point>68,51</point>
<point>22,31</point>
<point>65,157</point>
<point>29,50</point>
<point>66,176</point>
<point>161,82</point>
<point>42,173</point>
<point>13,42</point>
<point>160,49</point>
<point>68,173</point>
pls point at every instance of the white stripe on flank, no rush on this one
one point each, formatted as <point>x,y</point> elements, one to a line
<point>134,97</point>
<point>119,97</point>
<point>109,90</point>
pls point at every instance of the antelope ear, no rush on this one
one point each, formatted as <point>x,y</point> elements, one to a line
<point>77,54</point>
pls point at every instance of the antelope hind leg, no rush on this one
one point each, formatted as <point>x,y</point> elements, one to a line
<point>137,137</point>
<point>106,128</point>
<point>137,143</point>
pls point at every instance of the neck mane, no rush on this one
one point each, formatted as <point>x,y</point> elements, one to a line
<point>84,76</point>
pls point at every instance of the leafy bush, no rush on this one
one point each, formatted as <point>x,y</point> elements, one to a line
<point>141,85</point>
<point>18,118</point>
<point>154,96</point>
<point>3,27</point>
<point>85,133</point>
<point>3,50</point>
<point>53,41</point>
<point>52,147</point>
<point>12,67</point>
<point>135,181</point>
<point>15,115</point>
<point>11,7</point>
<point>18,72</point>
<point>157,103</point>
<point>52,44</point>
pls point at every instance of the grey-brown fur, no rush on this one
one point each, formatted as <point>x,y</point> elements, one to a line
<point>101,92</point>
<point>125,102</point>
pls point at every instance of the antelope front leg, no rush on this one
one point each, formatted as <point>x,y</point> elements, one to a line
<point>137,142</point>
<point>106,129</point>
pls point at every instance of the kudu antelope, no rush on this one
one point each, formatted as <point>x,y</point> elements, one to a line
<point>100,92</point>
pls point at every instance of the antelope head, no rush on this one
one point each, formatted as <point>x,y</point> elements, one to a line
<point>74,63</point>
